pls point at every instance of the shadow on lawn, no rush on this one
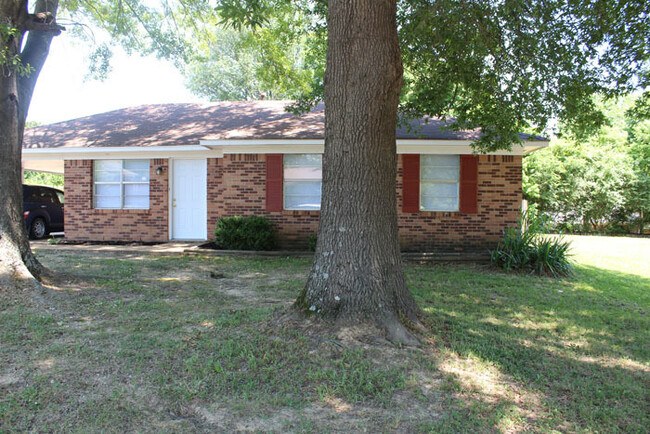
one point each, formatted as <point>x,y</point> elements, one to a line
<point>580,346</point>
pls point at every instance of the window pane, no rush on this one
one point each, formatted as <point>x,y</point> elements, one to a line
<point>302,188</point>
<point>439,189</point>
<point>302,195</point>
<point>439,173</point>
<point>107,190</point>
<point>108,165</point>
<point>303,173</point>
<point>46,196</point>
<point>303,160</point>
<point>302,202</point>
<point>136,165</point>
<point>108,202</point>
<point>440,160</point>
<point>439,204</point>
<point>106,176</point>
<point>136,190</point>
<point>141,202</point>
<point>136,175</point>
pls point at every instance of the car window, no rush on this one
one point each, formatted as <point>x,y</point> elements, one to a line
<point>47,196</point>
<point>33,195</point>
<point>59,194</point>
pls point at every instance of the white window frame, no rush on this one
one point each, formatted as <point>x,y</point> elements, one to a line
<point>299,180</point>
<point>121,184</point>
<point>440,181</point>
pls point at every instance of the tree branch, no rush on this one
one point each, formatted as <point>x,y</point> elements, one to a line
<point>41,23</point>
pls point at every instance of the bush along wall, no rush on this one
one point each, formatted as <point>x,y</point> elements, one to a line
<point>525,248</point>
<point>245,233</point>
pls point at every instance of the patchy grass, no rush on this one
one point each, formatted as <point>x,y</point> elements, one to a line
<point>193,344</point>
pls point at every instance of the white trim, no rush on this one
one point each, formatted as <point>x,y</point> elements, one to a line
<point>317,146</point>
<point>217,149</point>
<point>121,152</point>
<point>114,149</point>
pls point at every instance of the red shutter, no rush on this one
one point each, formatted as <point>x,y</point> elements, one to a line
<point>468,184</point>
<point>411,182</point>
<point>274,182</point>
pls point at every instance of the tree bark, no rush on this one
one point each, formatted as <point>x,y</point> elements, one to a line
<point>357,273</point>
<point>18,266</point>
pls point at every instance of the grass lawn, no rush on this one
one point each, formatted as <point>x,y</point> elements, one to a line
<point>193,344</point>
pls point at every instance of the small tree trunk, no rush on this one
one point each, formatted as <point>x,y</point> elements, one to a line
<point>642,222</point>
<point>357,274</point>
<point>18,266</point>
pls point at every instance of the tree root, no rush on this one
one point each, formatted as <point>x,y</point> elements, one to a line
<point>398,334</point>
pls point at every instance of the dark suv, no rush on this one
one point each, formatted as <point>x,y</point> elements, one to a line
<point>43,210</point>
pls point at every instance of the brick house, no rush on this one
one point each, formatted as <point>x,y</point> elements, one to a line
<point>169,172</point>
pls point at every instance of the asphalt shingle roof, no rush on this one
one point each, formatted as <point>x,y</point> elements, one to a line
<point>186,124</point>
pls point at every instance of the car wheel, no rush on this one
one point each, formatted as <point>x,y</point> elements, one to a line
<point>37,230</point>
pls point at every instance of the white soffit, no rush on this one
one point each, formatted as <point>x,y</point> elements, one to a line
<point>48,166</point>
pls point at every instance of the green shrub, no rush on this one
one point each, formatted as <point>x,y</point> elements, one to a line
<point>311,242</point>
<point>245,233</point>
<point>523,248</point>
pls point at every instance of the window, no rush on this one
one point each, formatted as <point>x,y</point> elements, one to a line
<point>439,182</point>
<point>303,174</point>
<point>121,184</point>
<point>47,196</point>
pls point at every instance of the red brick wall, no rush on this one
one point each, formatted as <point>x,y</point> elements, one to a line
<point>83,223</point>
<point>499,199</point>
<point>236,186</point>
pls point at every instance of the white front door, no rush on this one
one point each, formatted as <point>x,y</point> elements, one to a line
<point>189,200</point>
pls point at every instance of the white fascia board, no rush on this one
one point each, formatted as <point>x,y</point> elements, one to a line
<point>217,148</point>
<point>461,147</point>
<point>118,152</point>
<point>316,146</point>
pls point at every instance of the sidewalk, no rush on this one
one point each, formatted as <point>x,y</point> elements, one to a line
<point>156,249</point>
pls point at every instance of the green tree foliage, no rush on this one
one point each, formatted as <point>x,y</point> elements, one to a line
<point>280,55</point>
<point>243,65</point>
<point>594,181</point>
<point>504,67</point>
<point>578,181</point>
<point>41,178</point>
<point>638,193</point>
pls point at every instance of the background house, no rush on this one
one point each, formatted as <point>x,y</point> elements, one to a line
<point>169,172</point>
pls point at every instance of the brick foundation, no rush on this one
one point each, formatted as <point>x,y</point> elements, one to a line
<point>236,186</point>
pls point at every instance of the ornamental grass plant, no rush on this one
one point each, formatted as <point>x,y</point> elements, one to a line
<point>525,247</point>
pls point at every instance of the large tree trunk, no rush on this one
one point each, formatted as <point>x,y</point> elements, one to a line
<point>18,266</point>
<point>357,274</point>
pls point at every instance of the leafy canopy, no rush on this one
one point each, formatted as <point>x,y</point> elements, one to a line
<point>503,66</point>
<point>602,179</point>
